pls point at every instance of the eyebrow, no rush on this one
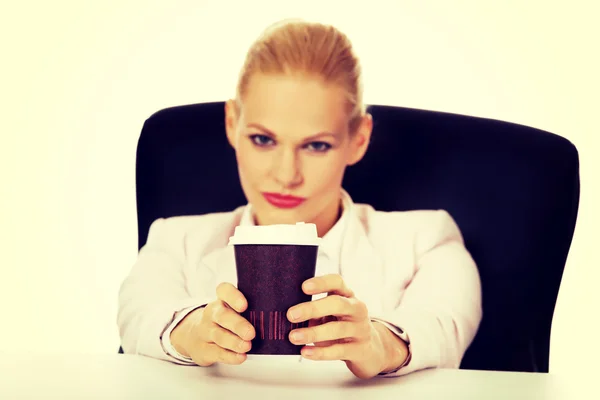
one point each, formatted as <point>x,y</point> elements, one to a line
<point>312,137</point>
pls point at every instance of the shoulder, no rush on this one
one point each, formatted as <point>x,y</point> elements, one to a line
<point>188,223</point>
<point>426,228</point>
<point>172,232</point>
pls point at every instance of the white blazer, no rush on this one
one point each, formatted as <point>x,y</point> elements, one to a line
<point>410,268</point>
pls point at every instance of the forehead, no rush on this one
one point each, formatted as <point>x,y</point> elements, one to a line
<point>294,103</point>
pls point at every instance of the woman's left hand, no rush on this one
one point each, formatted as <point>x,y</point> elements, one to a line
<point>339,327</point>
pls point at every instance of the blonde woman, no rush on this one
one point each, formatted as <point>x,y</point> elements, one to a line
<point>394,292</point>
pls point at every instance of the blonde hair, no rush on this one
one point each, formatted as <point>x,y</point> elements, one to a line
<point>314,49</point>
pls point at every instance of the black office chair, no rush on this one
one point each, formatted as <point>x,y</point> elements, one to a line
<point>513,190</point>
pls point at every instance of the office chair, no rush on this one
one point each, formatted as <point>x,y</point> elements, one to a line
<point>513,191</point>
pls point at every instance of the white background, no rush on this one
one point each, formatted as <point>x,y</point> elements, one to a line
<point>78,79</point>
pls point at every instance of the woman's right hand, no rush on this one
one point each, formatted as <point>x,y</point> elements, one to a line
<point>217,332</point>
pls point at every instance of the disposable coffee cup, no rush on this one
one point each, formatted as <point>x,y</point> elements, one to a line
<point>272,262</point>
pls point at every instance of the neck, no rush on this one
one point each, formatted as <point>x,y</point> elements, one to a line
<point>328,218</point>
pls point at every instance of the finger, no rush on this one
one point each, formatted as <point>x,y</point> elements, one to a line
<point>233,322</point>
<point>340,351</point>
<point>331,331</point>
<point>230,295</point>
<point>332,284</point>
<point>227,340</point>
<point>320,321</point>
<point>207,354</point>
<point>335,305</point>
<point>230,357</point>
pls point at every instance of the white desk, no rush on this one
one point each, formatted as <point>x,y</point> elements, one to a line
<point>136,377</point>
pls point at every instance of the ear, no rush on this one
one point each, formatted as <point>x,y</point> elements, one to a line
<point>360,140</point>
<point>231,121</point>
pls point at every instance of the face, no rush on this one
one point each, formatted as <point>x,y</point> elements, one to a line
<point>292,146</point>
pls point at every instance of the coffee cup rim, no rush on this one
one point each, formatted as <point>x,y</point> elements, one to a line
<point>309,239</point>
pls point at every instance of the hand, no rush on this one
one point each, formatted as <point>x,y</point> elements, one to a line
<point>217,333</point>
<point>339,327</point>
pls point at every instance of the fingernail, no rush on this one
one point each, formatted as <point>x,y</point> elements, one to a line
<point>295,314</point>
<point>309,286</point>
<point>247,334</point>
<point>298,337</point>
<point>240,304</point>
<point>308,351</point>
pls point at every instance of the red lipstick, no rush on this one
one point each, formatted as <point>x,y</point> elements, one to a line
<point>282,201</point>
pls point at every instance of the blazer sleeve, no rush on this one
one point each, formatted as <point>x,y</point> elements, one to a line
<point>440,310</point>
<point>154,297</point>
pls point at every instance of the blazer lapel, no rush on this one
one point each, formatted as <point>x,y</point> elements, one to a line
<point>214,262</point>
<point>222,264</point>
<point>360,265</point>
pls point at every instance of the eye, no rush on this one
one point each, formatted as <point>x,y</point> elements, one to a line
<point>261,140</point>
<point>318,147</point>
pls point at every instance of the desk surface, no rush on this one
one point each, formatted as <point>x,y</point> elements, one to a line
<point>135,377</point>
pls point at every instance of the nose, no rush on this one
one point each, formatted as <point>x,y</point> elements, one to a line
<point>286,169</point>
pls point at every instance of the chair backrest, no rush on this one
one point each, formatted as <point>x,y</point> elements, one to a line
<point>513,190</point>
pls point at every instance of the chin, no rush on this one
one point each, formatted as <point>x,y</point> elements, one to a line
<point>282,217</point>
<point>271,215</point>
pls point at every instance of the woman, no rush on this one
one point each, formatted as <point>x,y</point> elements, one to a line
<point>394,292</point>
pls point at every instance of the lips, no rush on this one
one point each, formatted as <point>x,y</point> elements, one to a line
<point>283,201</point>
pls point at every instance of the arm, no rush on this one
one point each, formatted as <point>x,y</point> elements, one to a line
<point>440,310</point>
<point>153,298</point>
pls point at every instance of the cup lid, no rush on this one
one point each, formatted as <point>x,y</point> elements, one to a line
<point>299,234</point>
